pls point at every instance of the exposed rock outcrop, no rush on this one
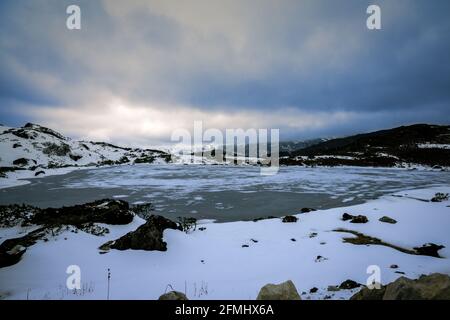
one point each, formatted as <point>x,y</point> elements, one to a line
<point>282,291</point>
<point>173,295</point>
<point>355,219</point>
<point>101,211</point>
<point>349,284</point>
<point>148,236</point>
<point>289,219</point>
<point>387,219</point>
<point>435,286</point>
<point>429,249</point>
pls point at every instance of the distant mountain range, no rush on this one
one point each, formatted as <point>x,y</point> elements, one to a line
<point>34,147</point>
<point>288,147</point>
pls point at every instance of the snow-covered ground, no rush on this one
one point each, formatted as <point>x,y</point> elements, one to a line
<point>213,264</point>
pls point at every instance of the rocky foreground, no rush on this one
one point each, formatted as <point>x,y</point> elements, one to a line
<point>325,253</point>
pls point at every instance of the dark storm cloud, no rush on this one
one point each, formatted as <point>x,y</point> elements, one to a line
<point>221,57</point>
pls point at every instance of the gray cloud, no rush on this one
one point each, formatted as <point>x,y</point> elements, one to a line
<point>228,58</point>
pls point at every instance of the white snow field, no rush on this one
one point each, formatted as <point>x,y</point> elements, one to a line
<point>212,264</point>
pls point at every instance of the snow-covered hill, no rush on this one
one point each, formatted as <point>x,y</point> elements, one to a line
<point>36,148</point>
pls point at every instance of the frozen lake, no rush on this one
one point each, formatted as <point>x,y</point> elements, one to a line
<point>224,193</point>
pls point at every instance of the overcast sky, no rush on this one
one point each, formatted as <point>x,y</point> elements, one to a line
<point>137,70</point>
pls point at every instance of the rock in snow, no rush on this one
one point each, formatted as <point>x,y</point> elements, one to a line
<point>173,295</point>
<point>429,249</point>
<point>282,291</point>
<point>355,219</point>
<point>148,236</point>
<point>387,219</point>
<point>435,286</point>
<point>289,219</point>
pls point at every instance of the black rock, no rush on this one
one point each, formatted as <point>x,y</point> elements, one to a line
<point>12,256</point>
<point>354,219</point>
<point>21,162</point>
<point>39,173</point>
<point>148,236</point>
<point>289,219</point>
<point>349,284</point>
<point>346,216</point>
<point>429,249</point>
<point>387,219</point>
<point>306,210</point>
<point>313,290</point>
<point>359,219</point>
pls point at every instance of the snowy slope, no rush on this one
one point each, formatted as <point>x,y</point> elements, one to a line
<point>35,147</point>
<point>212,264</point>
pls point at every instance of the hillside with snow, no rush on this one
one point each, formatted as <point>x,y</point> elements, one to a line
<point>37,148</point>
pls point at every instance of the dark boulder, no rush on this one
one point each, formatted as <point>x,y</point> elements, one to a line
<point>429,249</point>
<point>354,219</point>
<point>75,157</point>
<point>306,210</point>
<point>349,284</point>
<point>439,197</point>
<point>148,236</point>
<point>289,219</point>
<point>346,216</point>
<point>12,256</point>
<point>11,250</point>
<point>21,162</point>
<point>359,219</point>
<point>387,219</point>
<point>313,290</point>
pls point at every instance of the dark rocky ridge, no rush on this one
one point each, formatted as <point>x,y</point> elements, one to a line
<point>385,148</point>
